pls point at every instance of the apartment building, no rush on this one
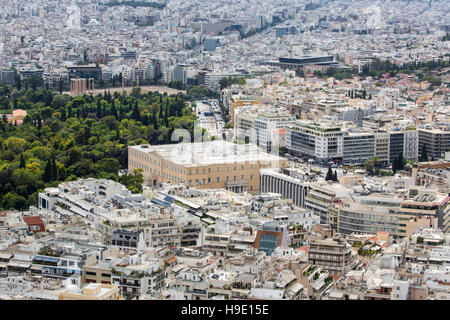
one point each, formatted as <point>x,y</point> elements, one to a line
<point>205,165</point>
<point>428,203</point>
<point>358,218</point>
<point>180,73</point>
<point>333,255</point>
<point>289,187</point>
<point>382,149</point>
<point>411,145</point>
<point>401,216</point>
<point>92,291</point>
<point>97,273</point>
<point>322,142</point>
<point>436,142</point>
<point>238,101</point>
<point>323,195</point>
<point>7,76</point>
<point>262,126</point>
<point>220,283</point>
<point>215,242</point>
<point>192,283</point>
<point>136,277</point>
<point>272,235</point>
<point>358,147</point>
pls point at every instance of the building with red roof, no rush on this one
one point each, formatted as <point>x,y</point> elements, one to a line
<point>35,224</point>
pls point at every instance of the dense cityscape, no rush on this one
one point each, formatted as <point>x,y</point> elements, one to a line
<point>224,150</point>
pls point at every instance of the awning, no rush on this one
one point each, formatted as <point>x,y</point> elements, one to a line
<point>5,255</point>
<point>37,267</point>
<point>19,264</point>
<point>178,267</point>
<point>47,259</point>
<point>295,288</point>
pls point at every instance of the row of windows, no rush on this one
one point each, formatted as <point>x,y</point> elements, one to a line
<point>197,171</point>
<point>203,181</point>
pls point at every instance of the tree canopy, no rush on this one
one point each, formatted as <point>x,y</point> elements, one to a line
<point>64,138</point>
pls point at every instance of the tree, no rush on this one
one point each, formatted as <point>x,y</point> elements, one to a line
<point>14,201</point>
<point>61,85</point>
<point>335,177</point>
<point>133,181</point>
<point>99,109</point>
<point>398,163</point>
<point>60,101</point>
<point>330,175</point>
<point>372,166</point>
<point>299,73</point>
<point>113,109</point>
<point>22,161</point>
<point>424,154</point>
<point>46,176</point>
<point>135,113</point>
<point>53,169</point>
<point>63,115</point>
<point>45,149</point>
<point>110,165</point>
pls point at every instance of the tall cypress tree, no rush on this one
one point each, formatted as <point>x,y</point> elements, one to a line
<point>135,114</point>
<point>330,175</point>
<point>39,122</point>
<point>46,176</point>
<point>401,161</point>
<point>63,115</point>
<point>424,153</point>
<point>99,109</point>
<point>104,112</point>
<point>70,113</point>
<point>113,109</point>
<point>166,119</point>
<point>22,162</point>
<point>53,169</point>
<point>395,165</point>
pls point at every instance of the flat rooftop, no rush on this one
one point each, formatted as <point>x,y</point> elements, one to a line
<point>208,153</point>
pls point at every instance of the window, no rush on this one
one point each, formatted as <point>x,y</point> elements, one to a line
<point>218,179</point>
